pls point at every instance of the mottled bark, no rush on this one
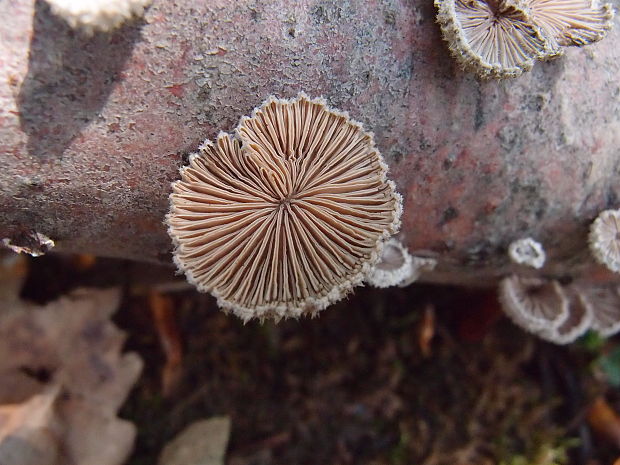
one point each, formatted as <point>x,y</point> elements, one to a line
<point>93,129</point>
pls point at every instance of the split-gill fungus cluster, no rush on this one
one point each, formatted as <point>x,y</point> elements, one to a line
<point>289,213</point>
<point>285,216</point>
<point>504,38</point>
<point>561,313</point>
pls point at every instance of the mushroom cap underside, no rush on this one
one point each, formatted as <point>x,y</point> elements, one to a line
<point>286,217</point>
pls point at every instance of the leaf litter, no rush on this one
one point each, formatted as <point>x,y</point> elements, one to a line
<point>63,379</point>
<point>375,380</point>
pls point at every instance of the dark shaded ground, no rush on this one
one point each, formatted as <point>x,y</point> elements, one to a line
<point>358,384</point>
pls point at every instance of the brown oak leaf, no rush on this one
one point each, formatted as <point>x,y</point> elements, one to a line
<point>63,377</point>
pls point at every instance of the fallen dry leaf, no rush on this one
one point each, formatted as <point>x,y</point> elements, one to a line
<point>162,310</point>
<point>426,330</point>
<point>28,431</point>
<point>13,269</point>
<point>201,443</point>
<point>70,347</point>
<point>605,421</point>
<point>83,262</point>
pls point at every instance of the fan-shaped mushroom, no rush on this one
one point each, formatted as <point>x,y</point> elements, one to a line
<point>394,266</point>
<point>527,252</point>
<point>534,303</point>
<point>93,15</point>
<point>605,303</point>
<point>287,218</point>
<point>604,239</point>
<point>578,321</point>
<point>545,308</point>
<point>492,38</point>
<point>572,22</point>
<point>503,38</point>
<point>397,267</point>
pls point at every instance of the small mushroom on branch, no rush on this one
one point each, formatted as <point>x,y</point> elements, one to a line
<point>604,239</point>
<point>605,303</point>
<point>534,303</point>
<point>561,314</point>
<point>545,308</point>
<point>397,267</point>
<point>493,39</point>
<point>527,252</point>
<point>97,15</point>
<point>578,321</point>
<point>504,38</point>
<point>286,217</point>
<point>572,22</point>
<point>393,267</point>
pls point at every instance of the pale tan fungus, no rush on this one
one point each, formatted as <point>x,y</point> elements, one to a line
<point>561,314</point>
<point>605,304</point>
<point>97,15</point>
<point>393,266</point>
<point>286,218</point>
<point>419,265</point>
<point>572,22</point>
<point>493,39</point>
<point>534,304</point>
<point>397,267</point>
<point>503,38</point>
<point>527,252</point>
<point>578,321</point>
<point>604,239</point>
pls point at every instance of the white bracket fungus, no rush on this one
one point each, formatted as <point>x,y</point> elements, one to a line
<point>527,252</point>
<point>288,215</point>
<point>604,239</point>
<point>504,38</point>
<point>97,15</point>
<point>397,267</point>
